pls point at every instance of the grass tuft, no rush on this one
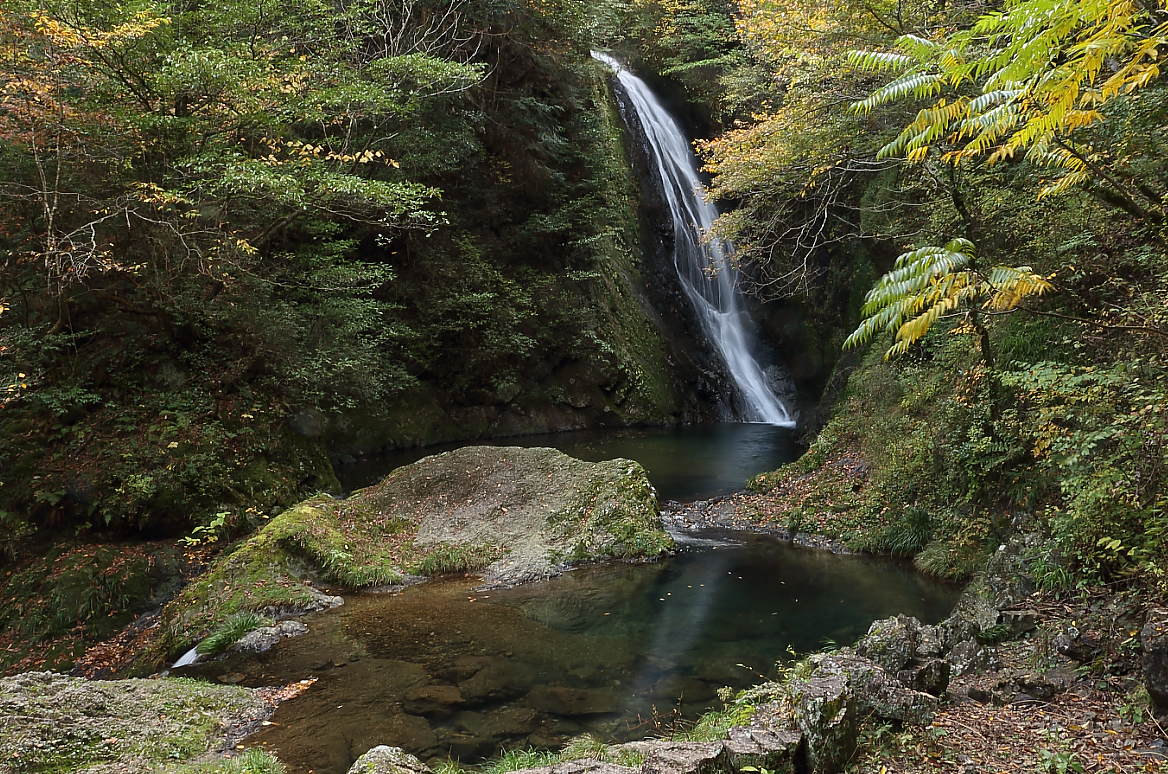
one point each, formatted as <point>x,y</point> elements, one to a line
<point>230,633</point>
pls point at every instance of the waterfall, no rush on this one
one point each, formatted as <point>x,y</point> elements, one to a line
<point>708,279</point>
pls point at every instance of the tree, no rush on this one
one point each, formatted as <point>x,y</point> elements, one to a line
<point>934,283</point>
<point>1029,79</point>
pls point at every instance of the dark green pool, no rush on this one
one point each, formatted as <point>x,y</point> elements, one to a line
<point>684,462</point>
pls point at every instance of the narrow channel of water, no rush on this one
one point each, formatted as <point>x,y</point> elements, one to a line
<point>443,670</point>
<point>685,462</point>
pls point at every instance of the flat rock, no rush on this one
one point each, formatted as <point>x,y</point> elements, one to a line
<point>582,766</point>
<point>686,758</point>
<point>51,722</point>
<point>774,751</point>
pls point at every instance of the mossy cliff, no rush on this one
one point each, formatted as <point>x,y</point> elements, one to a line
<point>523,309</point>
<point>511,514</point>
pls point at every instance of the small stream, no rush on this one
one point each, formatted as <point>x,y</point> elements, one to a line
<point>615,650</point>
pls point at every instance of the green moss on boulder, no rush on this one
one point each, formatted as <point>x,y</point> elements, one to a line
<point>512,514</point>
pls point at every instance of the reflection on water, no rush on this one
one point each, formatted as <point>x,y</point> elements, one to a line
<point>444,670</point>
<point>684,462</point>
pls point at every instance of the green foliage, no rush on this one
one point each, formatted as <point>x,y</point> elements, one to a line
<point>581,747</point>
<point>933,283</point>
<point>1042,71</point>
<point>1097,431</point>
<point>230,633</point>
<point>449,559</point>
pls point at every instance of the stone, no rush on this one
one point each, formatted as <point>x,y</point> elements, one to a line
<point>581,766</point>
<point>973,614</point>
<point>1044,686</point>
<point>1154,639</point>
<point>827,715</point>
<point>497,680</point>
<point>775,751</point>
<point>408,732</point>
<point>434,700</point>
<point>931,677</point>
<point>1020,621</point>
<point>970,657</point>
<point>930,643</point>
<point>876,691</point>
<point>459,748</point>
<point>890,642</point>
<point>502,724</point>
<point>573,701</point>
<point>265,638</point>
<point>388,760</point>
<point>979,694</point>
<point>686,758</point>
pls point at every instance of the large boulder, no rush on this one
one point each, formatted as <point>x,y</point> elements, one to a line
<point>875,691</point>
<point>1154,638</point>
<point>890,642</point>
<point>511,514</point>
<point>56,723</point>
<point>827,716</point>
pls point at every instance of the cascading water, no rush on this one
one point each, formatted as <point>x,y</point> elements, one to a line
<point>706,275</point>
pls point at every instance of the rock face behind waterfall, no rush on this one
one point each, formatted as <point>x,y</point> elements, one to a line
<point>512,514</point>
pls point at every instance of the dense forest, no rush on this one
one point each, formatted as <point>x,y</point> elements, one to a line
<point>242,243</point>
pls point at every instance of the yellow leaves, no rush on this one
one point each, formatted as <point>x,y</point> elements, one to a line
<point>918,154</point>
<point>68,36</point>
<point>1044,66</point>
<point>299,151</point>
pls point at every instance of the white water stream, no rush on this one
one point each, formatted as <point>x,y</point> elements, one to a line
<point>706,275</point>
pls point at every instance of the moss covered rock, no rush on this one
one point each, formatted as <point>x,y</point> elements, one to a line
<point>57,723</point>
<point>512,514</point>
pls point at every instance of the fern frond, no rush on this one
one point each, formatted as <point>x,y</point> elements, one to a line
<point>880,61</point>
<point>914,83</point>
